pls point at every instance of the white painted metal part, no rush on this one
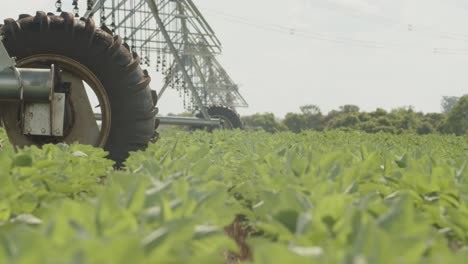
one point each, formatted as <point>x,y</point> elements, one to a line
<point>40,119</point>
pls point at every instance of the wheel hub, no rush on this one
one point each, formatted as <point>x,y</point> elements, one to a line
<point>79,123</point>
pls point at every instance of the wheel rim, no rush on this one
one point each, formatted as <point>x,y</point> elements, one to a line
<point>77,70</point>
<point>226,124</point>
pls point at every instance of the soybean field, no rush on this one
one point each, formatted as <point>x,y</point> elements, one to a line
<point>230,196</point>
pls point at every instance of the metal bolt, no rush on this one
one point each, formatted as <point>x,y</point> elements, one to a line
<point>59,97</point>
<point>43,131</point>
<point>28,130</point>
<point>57,131</point>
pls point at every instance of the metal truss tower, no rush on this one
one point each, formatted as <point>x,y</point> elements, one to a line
<point>175,38</point>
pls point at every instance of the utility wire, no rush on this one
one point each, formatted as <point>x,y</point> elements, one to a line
<point>415,27</point>
<point>307,33</point>
<point>344,40</point>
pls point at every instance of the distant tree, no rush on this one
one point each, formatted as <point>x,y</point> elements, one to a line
<point>332,115</point>
<point>425,128</point>
<point>266,121</point>
<point>374,127</point>
<point>384,121</point>
<point>349,108</point>
<point>404,118</point>
<point>379,112</point>
<point>350,120</point>
<point>311,110</point>
<point>437,120</point>
<point>364,117</point>
<point>448,102</point>
<point>295,122</point>
<point>311,118</point>
<point>314,122</point>
<point>457,120</point>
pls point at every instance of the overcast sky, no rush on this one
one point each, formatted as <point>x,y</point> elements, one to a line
<point>372,53</point>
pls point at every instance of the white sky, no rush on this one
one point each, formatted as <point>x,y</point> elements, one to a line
<point>327,53</point>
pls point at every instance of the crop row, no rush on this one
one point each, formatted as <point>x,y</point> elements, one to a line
<point>330,197</point>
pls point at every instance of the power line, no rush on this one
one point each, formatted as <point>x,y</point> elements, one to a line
<point>306,33</point>
<point>450,51</point>
<point>278,28</point>
<point>415,27</point>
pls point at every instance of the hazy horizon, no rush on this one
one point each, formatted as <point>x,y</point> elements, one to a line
<point>374,54</point>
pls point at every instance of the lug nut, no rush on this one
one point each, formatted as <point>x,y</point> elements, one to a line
<point>43,131</point>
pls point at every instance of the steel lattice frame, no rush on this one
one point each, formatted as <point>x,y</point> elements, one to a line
<point>174,36</point>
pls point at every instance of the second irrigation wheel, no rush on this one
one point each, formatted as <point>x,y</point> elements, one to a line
<point>230,119</point>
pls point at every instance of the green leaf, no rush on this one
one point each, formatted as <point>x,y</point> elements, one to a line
<point>5,211</point>
<point>23,160</point>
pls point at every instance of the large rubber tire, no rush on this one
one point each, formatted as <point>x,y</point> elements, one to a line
<point>230,118</point>
<point>133,106</point>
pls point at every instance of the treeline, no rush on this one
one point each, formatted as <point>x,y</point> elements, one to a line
<point>454,120</point>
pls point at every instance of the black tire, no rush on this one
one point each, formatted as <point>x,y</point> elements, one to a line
<point>132,103</point>
<point>230,118</point>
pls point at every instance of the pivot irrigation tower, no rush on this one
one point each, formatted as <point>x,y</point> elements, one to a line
<point>174,37</point>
